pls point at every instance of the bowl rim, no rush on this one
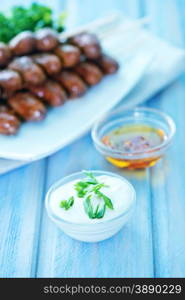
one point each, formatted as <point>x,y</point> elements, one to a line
<point>166,118</point>
<point>58,183</point>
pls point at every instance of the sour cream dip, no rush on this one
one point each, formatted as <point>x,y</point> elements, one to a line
<point>76,219</point>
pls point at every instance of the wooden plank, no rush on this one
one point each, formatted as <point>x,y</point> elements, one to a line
<point>20,206</point>
<point>167,179</point>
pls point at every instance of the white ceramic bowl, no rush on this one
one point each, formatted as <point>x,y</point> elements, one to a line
<point>101,229</point>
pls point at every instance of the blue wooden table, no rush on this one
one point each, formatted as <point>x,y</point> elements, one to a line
<point>152,244</point>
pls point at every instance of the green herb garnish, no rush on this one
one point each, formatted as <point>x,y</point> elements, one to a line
<point>85,189</point>
<point>82,188</point>
<point>96,213</point>
<point>106,199</point>
<point>91,179</point>
<point>88,207</point>
<point>32,18</point>
<point>100,211</point>
<point>66,204</point>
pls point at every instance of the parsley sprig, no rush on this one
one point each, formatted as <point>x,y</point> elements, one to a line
<point>94,213</point>
<point>66,204</point>
<point>32,17</point>
<point>86,189</point>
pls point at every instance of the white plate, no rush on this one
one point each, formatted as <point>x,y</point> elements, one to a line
<point>64,124</point>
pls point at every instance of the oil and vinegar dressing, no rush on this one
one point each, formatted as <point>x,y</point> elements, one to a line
<point>131,140</point>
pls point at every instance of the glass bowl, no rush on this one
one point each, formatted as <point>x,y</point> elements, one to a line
<point>98,229</point>
<point>118,119</point>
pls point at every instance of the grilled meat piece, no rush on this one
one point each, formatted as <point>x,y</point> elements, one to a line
<point>10,81</point>
<point>5,54</point>
<point>88,43</point>
<point>51,92</point>
<point>9,123</point>
<point>74,85</point>
<point>46,39</point>
<point>49,62</point>
<point>23,43</point>
<point>31,72</point>
<point>26,105</point>
<point>69,54</point>
<point>89,72</point>
<point>108,64</point>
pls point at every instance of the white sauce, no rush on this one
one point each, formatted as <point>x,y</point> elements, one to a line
<point>119,191</point>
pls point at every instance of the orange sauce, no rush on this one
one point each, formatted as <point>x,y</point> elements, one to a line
<point>135,138</point>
